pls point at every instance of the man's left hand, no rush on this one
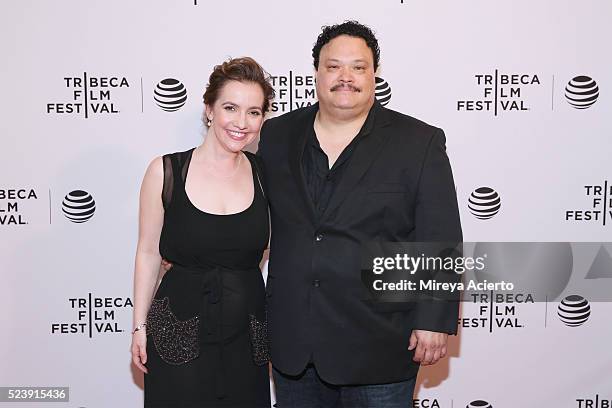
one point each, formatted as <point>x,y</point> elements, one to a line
<point>430,346</point>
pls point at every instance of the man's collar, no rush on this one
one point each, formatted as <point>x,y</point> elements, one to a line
<point>377,116</point>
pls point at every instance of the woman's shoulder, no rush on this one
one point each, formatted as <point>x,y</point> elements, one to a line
<point>253,158</point>
<point>161,164</point>
<point>180,155</point>
<point>250,155</point>
<point>155,167</point>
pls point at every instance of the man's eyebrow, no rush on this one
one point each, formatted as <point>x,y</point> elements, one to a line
<point>337,60</point>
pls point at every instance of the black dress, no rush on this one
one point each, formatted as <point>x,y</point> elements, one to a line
<point>206,328</point>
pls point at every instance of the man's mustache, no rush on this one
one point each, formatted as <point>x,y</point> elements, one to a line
<point>345,86</point>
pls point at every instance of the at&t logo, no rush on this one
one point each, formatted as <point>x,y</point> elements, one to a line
<point>574,310</point>
<point>581,92</point>
<point>484,203</point>
<point>170,94</point>
<point>78,206</point>
<point>383,91</point>
<point>479,404</point>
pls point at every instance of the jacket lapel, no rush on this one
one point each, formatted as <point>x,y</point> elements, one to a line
<point>296,151</point>
<point>362,158</point>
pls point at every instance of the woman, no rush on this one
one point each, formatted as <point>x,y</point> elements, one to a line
<point>201,341</point>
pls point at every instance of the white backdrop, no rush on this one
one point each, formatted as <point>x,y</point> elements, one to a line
<point>69,129</point>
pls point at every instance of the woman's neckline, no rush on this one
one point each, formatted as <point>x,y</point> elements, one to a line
<point>208,212</point>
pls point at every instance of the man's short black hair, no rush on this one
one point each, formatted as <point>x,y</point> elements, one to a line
<point>352,28</point>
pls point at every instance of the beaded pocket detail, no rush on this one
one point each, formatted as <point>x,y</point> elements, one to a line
<point>176,341</point>
<point>259,340</point>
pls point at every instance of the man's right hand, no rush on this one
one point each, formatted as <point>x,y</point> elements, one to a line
<point>429,346</point>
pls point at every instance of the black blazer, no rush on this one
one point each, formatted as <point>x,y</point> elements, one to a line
<point>398,186</point>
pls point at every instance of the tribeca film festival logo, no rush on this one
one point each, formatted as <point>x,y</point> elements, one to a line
<point>94,315</point>
<point>581,92</point>
<point>428,403</point>
<point>500,92</point>
<point>89,95</point>
<point>78,206</point>
<point>540,271</point>
<point>170,94</point>
<point>535,269</point>
<point>599,209</point>
<point>484,203</point>
<point>10,208</point>
<point>293,91</point>
<point>574,310</point>
<point>596,402</point>
<point>496,311</point>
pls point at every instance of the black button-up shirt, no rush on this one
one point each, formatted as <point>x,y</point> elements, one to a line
<point>321,181</point>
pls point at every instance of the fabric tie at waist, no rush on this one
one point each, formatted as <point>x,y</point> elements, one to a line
<point>212,289</point>
<point>211,286</point>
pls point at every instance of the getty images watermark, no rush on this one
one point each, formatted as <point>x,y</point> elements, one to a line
<point>419,271</point>
<point>411,265</point>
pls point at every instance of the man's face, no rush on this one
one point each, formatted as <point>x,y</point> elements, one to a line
<point>345,77</point>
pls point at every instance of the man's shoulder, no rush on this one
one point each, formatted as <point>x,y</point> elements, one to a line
<point>279,130</point>
<point>292,118</point>
<point>414,125</point>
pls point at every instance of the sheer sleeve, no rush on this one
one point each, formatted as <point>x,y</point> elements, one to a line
<point>168,181</point>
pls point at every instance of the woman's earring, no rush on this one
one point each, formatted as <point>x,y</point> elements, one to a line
<point>208,122</point>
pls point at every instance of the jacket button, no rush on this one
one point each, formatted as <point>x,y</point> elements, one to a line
<point>316,283</point>
<point>319,237</point>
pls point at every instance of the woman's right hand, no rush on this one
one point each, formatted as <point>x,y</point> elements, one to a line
<point>165,265</point>
<point>139,349</point>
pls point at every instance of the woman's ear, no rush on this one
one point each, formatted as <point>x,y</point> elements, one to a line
<point>208,113</point>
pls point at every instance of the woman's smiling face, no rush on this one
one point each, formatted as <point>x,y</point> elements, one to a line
<point>237,114</point>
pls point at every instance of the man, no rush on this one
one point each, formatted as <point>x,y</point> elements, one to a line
<point>341,173</point>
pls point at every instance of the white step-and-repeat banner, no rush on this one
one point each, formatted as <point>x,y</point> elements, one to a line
<point>523,90</point>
